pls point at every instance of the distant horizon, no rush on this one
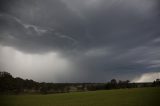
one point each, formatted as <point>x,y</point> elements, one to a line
<point>81,82</point>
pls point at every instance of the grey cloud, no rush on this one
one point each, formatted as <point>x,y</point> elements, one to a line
<point>104,39</point>
<point>28,36</point>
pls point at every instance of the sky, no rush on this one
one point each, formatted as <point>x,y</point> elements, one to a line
<point>80,40</point>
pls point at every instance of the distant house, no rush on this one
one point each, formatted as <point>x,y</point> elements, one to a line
<point>73,89</point>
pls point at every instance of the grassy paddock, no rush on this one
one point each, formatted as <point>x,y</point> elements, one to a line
<point>122,97</point>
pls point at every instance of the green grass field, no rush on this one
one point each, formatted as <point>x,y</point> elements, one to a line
<point>122,97</point>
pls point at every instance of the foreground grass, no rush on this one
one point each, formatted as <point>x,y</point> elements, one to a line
<point>123,97</point>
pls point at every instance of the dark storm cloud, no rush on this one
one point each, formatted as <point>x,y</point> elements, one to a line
<point>104,39</point>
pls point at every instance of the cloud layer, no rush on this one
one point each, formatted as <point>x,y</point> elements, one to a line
<point>97,39</point>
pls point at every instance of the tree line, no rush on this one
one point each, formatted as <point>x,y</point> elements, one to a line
<point>11,85</point>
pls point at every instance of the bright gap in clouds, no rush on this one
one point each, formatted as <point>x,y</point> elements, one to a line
<point>40,67</point>
<point>148,77</point>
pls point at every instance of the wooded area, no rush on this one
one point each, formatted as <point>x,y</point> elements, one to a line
<point>11,85</point>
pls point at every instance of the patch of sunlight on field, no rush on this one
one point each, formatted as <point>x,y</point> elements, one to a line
<point>122,97</point>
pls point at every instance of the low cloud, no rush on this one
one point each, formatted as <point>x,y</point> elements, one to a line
<point>49,67</point>
<point>147,77</point>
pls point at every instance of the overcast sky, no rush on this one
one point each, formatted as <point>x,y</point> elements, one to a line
<point>80,40</point>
